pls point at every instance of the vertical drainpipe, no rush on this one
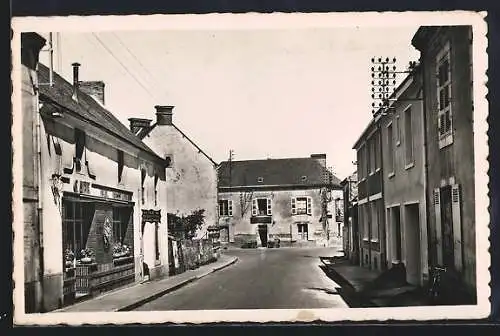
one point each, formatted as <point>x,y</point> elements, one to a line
<point>38,160</point>
<point>383,238</point>
<point>426,166</point>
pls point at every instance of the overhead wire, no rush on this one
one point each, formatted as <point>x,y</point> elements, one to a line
<point>123,65</point>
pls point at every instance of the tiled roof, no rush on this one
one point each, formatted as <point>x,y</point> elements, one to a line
<point>86,107</point>
<point>274,172</point>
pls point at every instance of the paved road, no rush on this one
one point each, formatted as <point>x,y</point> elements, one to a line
<point>283,278</point>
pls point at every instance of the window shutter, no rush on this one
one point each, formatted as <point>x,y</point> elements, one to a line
<point>269,207</point>
<point>254,207</point>
<point>294,208</point>
<point>437,211</point>
<point>309,206</point>
<point>457,225</point>
<point>230,207</point>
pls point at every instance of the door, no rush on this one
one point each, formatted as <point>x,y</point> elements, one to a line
<point>447,227</point>
<point>302,231</point>
<point>263,234</point>
<point>412,243</point>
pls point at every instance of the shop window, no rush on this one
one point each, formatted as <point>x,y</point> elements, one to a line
<point>120,223</point>
<point>77,219</point>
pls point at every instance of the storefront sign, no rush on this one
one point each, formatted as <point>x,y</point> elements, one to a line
<point>152,216</point>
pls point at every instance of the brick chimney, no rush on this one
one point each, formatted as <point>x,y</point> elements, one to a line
<point>164,115</point>
<point>76,82</point>
<point>321,158</point>
<point>94,89</point>
<point>137,124</point>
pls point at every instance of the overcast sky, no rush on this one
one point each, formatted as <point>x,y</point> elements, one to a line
<point>262,93</point>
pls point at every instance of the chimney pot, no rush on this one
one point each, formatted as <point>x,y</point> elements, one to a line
<point>164,114</point>
<point>137,124</point>
<point>75,65</point>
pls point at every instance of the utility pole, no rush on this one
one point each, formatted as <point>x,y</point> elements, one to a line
<point>384,72</point>
<point>231,156</point>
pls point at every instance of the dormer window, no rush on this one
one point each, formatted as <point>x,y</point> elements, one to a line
<point>260,179</point>
<point>303,178</point>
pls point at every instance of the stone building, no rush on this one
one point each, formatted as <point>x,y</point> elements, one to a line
<point>351,228</point>
<point>191,173</point>
<point>371,212</point>
<point>446,58</point>
<point>94,194</point>
<point>260,200</point>
<point>404,179</point>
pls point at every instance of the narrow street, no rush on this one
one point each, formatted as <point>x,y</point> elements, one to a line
<point>262,279</point>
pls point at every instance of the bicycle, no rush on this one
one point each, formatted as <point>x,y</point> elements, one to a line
<point>435,293</point>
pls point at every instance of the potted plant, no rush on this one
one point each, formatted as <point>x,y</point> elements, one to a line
<point>69,258</point>
<point>120,251</point>
<point>86,256</point>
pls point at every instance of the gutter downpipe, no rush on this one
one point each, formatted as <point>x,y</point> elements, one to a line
<point>37,140</point>
<point>426,166</point>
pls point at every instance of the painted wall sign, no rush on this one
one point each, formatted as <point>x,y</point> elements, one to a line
<point>153,216</point>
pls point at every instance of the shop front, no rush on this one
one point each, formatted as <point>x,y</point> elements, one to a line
<point>98,240</point>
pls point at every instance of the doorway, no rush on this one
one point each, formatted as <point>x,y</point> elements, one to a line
<point>303,231</point>
<point>396,234</point>
<point>263,234</point>
<point>412,242</point>
<point>447,228</point>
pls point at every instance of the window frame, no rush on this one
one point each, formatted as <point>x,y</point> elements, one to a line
<point>227,209</point>
<point>445,137</point>
<point>409,138</point>
<point>390,145</point>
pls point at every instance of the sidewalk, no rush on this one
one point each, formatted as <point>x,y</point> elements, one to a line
<point>129,298</point>
<point>367,288</point>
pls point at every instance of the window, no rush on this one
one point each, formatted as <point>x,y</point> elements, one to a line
<point>79,147</point>
<point>120,223</point>
<point>398,131</point>
<point>77,218</point>
<point>390,149</point>
<point>364,220</point>
<point>408,136</point>
<point>261,207</point>
<point>301,205</point>
<point>156,190</point>
<point>371,154</point>
<point>225,208</point>
<point>157,242</point>
<point>374,220</point>
<point>143,192</point>
<point>120,165</point>
<point>378,154</point>
<point>445,126</point>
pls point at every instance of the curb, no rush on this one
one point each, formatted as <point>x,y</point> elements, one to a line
<point>173,288</point>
